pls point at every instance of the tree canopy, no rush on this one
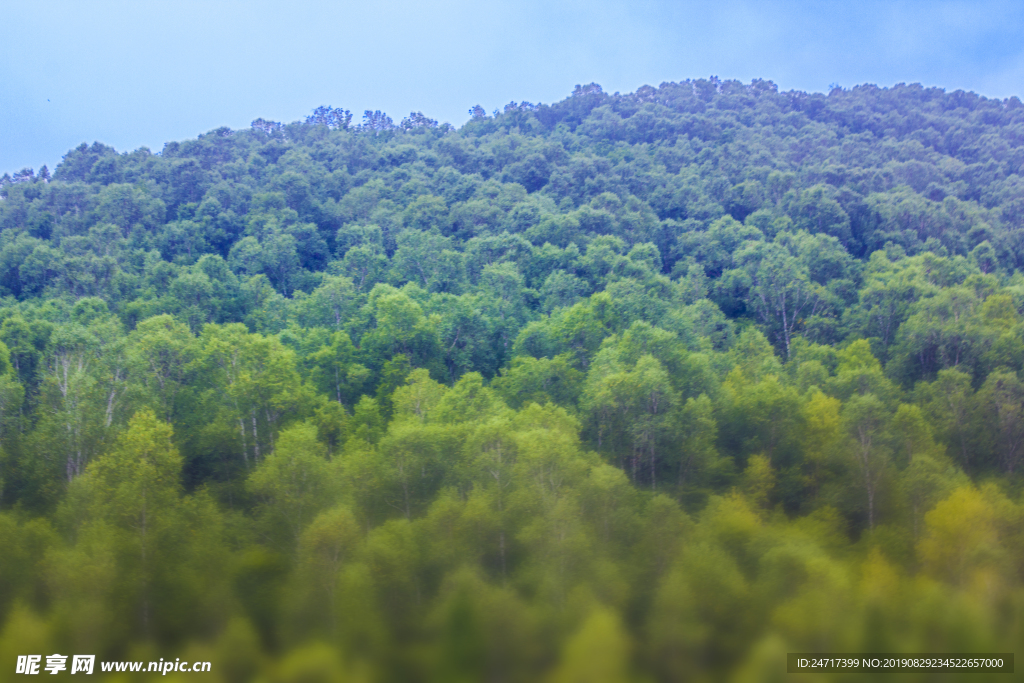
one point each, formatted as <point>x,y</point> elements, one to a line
<point>627,387</point>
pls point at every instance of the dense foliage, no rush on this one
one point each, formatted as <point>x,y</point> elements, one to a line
<point>655,386</point>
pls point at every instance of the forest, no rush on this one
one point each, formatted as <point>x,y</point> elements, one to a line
<point>641,387</point>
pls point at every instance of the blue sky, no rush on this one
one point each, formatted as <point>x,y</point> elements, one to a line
<point>133,74</point>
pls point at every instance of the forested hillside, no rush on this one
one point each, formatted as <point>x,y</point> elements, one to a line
<point>645,387</point>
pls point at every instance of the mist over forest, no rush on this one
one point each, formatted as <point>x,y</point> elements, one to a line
<point>655,386</point>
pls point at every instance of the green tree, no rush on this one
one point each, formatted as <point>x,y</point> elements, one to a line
<point>331,305</point>
<point>336,372</point>
<point>295,482</point>
<point>539,380</point>
<point>151,550</point>
<point>782,293</point>
<point>160,353</point>
<point>398,327</point>
<point>599,651</point>
<point>948,401</point>
<point>1001,400</point>
<point>865,418</point>
<point>329,542</point>
<point>251,382</point>
<point>822,434</point>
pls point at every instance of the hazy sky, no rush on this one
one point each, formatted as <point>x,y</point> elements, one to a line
<point>133,74</point>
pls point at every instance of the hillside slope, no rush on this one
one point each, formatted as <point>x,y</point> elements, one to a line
<point>653,386</point>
